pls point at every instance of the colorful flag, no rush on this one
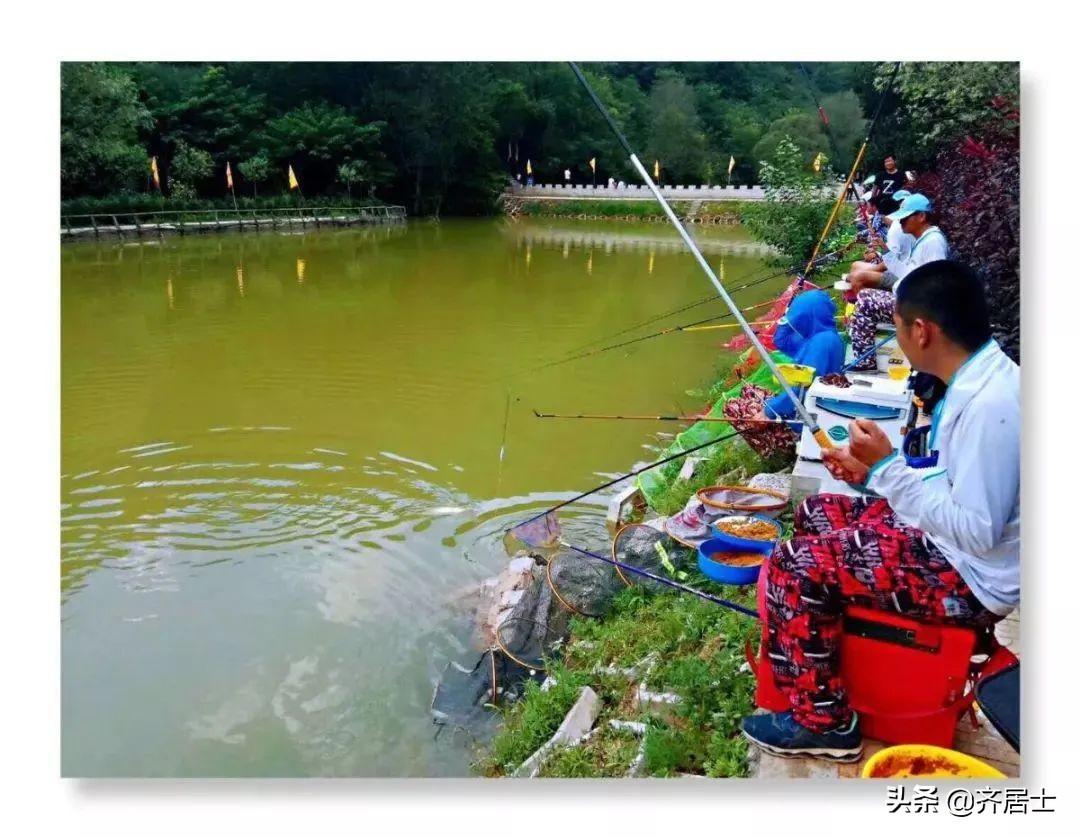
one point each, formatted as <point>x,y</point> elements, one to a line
<point>656,169</point>
<point>228,175</point>
<point>293,182</point>
<point>730,165</point>
<point>528,167</point>
<point>154,172</point>
<point>592,165</point>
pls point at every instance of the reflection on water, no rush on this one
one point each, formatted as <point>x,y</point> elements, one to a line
<point>281,472</point>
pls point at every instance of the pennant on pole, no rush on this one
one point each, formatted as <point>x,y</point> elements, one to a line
<point>154,172</point>
<point>228,175</point>
<point>592,165</point>
<point>656,169</point>
<point>817,161</point>
<point>528,167</point>
<point>293,182</point>
<point>730,165</point>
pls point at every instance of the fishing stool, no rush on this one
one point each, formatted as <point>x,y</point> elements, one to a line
<point>909,681</point>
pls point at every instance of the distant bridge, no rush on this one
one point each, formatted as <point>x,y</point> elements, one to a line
<point>608,241</point>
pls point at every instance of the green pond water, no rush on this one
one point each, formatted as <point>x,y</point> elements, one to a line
<point>281,480</point>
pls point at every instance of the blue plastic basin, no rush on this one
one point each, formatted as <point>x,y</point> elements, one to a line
<point>734,543</point>
<point>725,573</point>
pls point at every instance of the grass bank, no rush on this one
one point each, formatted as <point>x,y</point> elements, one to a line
<point>698,648</point>
<point>709,212</point>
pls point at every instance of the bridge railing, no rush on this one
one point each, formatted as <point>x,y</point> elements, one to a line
<point>209,219</point>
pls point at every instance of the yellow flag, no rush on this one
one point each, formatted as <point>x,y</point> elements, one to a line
<point>228,175</point>
<point>730,166</point>
<point>293,182</point>
<point>592,165</point>
<point>817,162</point>
<point>154,172</point>
<point>656,169</point>
<point>528,167</point>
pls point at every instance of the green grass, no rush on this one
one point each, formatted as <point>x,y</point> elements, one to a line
<point>645,210</point>
<point>700,650</point>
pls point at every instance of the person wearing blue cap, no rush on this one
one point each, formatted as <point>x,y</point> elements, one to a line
<point>875,306</point>
<point>873,271</point>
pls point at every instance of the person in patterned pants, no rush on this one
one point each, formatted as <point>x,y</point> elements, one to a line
<point>850,550</point>
<point>872,306</point>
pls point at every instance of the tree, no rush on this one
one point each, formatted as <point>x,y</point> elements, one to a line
<point>796,206</point>
<point>804,127</point>
<point>675,135</point>
<point>189,166</point>
<point>941,101</point>
<point>256,169</point>
<point>215,115</point>
<point>101,119</point>
<point>847,126</point>
<point>314,136</point>
<point>350,172</point>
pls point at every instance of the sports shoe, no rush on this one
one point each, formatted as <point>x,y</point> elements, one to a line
<point>780,734</point>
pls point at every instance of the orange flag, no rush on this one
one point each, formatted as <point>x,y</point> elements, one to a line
<point>154,172</point>
<point>228,175</point>
<point>293,182</point>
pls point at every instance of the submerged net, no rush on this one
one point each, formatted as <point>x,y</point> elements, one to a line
<point>583,585</point>
<point>647,548</point>
<point>526,641</point>
<point>463,696</point>
<point>543,531</point>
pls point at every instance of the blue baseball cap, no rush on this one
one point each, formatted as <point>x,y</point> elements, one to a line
<point>911,205</point>
<point>900,194</point>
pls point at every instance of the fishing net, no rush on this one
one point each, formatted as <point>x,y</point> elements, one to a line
<point>690,527</point>
<point>581,584</point>
<point>527,642</point>
<point>647,548</point>
<point>463,696</point>
<point>729,499</point>
<point>543,531</point>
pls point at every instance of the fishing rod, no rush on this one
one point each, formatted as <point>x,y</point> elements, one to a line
<point>671,583</point>
<point>819,435</point>
<point>662,418</point>
<point>871,351</point>
<point>622,477</point>
<point>854,167</point>
<point>824,117</point>
<point>756,279</point>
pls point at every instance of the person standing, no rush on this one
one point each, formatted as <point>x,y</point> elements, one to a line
<point>886,183</point>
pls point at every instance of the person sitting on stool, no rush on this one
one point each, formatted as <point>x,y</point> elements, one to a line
<point>940,544</point>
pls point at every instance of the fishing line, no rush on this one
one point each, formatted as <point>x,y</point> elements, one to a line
<point>662,418</point>
<point>671,583</point>
<point>619,479</point>
<point>819,435</point>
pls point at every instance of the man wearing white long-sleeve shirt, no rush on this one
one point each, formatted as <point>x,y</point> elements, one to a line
<point>937,540</point>
<point>874,306</point>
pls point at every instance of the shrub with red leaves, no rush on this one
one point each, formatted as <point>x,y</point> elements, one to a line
<point>975,189</point>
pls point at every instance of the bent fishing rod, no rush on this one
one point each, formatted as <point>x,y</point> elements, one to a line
<point>671,583</point>
<point>854,168</point>
<point>819,435</point>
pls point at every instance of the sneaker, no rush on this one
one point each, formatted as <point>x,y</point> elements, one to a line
<point>780,734</point>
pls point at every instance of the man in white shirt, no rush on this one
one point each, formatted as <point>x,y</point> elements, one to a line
<point>937,540</point>
<point>876,305</point>
<point>872,271</point>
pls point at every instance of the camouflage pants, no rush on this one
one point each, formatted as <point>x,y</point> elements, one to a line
<point>850,550</point>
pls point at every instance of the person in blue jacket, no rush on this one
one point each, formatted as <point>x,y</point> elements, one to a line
<point>807,334</point>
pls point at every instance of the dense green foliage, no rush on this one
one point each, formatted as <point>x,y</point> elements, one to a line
<point>437,137</point>
<point>798,202</point>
